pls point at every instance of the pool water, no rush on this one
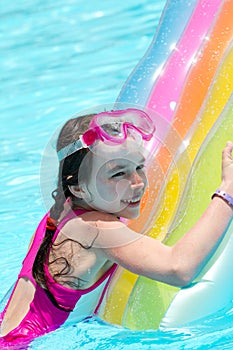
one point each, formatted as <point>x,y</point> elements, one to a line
<point>57,58</point>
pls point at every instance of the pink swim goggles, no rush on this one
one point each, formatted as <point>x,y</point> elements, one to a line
<point>112,127</point>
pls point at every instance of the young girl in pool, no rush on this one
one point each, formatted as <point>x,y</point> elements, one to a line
<point>79,243</point>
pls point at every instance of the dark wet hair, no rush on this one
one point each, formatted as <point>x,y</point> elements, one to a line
<point>68,175</point>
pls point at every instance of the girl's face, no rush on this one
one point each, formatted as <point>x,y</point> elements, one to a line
<point>117,180</point>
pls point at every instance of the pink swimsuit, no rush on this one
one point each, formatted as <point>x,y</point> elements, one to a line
<point>43,315</point>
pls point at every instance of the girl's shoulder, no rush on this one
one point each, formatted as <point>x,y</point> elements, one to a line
<point>97,219</point>
<point>107,230</point>
<point>90,225</point>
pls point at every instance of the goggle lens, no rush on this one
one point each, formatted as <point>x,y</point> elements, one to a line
<point>113,126</point>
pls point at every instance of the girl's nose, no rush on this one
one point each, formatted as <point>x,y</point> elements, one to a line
<point>136,180</point>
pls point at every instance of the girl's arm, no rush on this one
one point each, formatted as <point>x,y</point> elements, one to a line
<point>177,265</point>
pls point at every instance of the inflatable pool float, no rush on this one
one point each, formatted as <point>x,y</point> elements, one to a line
<point>185,80</point>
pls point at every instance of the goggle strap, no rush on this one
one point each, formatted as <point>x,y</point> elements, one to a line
<point>71,148</point>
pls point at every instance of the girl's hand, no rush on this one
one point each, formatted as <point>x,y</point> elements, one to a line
<point>227,169</point>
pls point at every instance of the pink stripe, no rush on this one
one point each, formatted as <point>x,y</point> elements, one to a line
<point>168,87</point>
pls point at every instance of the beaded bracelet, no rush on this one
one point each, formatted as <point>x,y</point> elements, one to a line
<point>225,196</point>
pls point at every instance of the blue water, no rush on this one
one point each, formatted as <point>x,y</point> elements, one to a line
<point>57,58</point>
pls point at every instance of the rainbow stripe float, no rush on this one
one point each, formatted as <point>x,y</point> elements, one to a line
<point>186,80</point>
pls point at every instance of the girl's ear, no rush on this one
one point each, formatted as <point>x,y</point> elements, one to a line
<point>77,191</point>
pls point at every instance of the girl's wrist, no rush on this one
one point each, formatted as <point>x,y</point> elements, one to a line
<point>227,187</point>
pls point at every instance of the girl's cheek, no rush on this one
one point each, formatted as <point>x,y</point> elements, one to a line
<point>123,187</point>
<point>114,191</point>
<point>106,190</point>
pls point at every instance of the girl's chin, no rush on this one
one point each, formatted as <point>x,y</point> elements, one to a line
<point>130,215</point>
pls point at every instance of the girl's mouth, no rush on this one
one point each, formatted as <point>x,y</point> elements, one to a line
<point>132,202</point>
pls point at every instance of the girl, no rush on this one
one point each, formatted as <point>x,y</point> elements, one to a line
<point>79,243</point>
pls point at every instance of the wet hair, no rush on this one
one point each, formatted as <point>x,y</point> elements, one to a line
<point>68,175</point>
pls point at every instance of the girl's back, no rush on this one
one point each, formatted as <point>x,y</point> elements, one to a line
<point>32,310</point>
